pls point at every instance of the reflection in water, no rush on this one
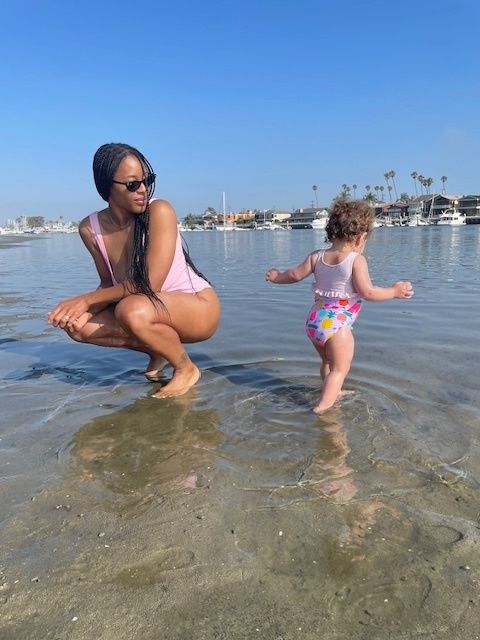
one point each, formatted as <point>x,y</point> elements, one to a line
<point>148,444</point>
<point>330,475</point>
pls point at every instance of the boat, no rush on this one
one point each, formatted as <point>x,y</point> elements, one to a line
<point>224,226</point>
<point>319,223</point>
<point>308,219</point>
<point>417,221</point>
<point>451,217</point>
<point>270,226</point>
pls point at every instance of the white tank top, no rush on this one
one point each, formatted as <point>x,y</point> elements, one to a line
<point>334,280</point>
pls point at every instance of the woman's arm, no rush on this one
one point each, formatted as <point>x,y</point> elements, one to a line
<point>162,240</point>
<point>368,291</point>
<point>294,274</point>
<point>90,242</point>
<point>75,312</point>
<point>161,249</point>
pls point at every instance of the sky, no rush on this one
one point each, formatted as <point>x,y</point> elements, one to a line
<point>261,99</point>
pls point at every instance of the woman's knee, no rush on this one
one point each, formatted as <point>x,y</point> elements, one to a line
<point>79,335</point>
<point>134,313</point>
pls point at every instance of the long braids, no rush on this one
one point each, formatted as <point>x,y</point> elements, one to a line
<point>105,163</point>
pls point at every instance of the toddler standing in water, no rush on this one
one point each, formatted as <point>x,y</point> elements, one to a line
<point>341,282</point>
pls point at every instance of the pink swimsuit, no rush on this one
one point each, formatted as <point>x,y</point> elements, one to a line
<point>337,304</point>
<point>181,276</point>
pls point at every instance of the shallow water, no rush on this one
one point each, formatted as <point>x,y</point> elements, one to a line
<point>360,522</point>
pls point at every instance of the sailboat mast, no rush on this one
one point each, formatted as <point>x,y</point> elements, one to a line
<point>223,206</point>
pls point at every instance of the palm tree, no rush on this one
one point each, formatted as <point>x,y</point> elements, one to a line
<point>315,188</point>
<point>421,181</point>
<point>392,176</point>
<point>390,191</point>
<point>368,188</point>
<point>443,179</point>
<point>376,188</point>
<point>382,189</point>
<point>355,187</point>
<point>345,192</point>
<point>428,183</point>
<point>387,176</point>
<point>414,175</point>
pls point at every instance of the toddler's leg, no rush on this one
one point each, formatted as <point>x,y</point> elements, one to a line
<point>325,366</point>
<point>339,352</point>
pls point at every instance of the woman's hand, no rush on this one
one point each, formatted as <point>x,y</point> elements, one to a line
<point>403,289</point>
<point>271,275</point>
<point>69,313</point>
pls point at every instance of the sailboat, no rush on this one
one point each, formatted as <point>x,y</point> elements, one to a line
<point>224,226</point>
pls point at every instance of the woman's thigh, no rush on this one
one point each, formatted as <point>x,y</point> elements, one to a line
<point>194,317</point>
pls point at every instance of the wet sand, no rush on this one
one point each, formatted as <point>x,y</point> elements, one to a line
<point>154,531</point>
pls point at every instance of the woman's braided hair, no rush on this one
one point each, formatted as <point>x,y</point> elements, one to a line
<point>349,218</point>
<point>105,163</point>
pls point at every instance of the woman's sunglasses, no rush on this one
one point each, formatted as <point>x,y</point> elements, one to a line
<point>134,185</point>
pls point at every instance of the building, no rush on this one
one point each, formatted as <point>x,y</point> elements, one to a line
<point>470,207</point>
<point>432,206</point>
<point>303,218</point>
<point>395,213</point>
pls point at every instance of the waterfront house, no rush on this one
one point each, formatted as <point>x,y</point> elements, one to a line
<point>432,206</point>
<point>440,204</point>
<point>395,213</point>
<point>308,218</point>
<point>469,206</point>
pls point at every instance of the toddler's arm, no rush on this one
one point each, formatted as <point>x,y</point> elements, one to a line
<point>368,291</point>
<point>294,274</point>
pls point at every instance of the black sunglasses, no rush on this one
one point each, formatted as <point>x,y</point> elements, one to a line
<point>134,185</point>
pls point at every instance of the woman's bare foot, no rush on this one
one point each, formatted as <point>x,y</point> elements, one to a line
<point>154,371</point>
<point>180,383</point>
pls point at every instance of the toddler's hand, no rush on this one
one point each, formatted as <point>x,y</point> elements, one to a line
<point>403,289</point>
<point>271,275</point>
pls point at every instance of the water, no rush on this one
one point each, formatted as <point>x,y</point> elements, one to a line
<point>372,508</point>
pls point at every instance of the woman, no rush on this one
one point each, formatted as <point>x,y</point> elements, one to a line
<point>151,297</point>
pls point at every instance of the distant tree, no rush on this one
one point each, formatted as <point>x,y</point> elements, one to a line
<point>368,188</point>
<point>421,182</point>
<point>354,187</point>
<point>443,179</point>
<point>191,220</point>
<point>210,211</point>
<point>35,221</point>
<point>370,197</point>
<point>390,191</point>
<point>345,192</point>
<point>404,197</point>
<point>428,183</point>
<point>382,189</point>
<point>392,176</point>
<point>414,175</point>
<point>386,175</point>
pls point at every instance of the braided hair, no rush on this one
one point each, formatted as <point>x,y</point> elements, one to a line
<point>106,160</point>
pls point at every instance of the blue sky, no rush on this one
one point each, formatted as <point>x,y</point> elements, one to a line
<point>260,99</point>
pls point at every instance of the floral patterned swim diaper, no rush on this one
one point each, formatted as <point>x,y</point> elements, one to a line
<point>328,315</point>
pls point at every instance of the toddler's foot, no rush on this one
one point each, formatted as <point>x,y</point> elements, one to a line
<point>154,371</point>
<point>322,406</point>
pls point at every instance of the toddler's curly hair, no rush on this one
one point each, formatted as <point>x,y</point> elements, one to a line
<point>349,218</point>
